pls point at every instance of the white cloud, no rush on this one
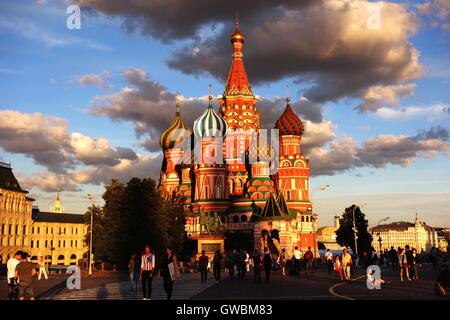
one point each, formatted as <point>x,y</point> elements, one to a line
<point>431,113</point>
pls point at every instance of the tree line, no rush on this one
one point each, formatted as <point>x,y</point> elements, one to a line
<point>133,215</point>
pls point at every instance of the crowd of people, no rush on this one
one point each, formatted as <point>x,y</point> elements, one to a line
<point>238,262</point>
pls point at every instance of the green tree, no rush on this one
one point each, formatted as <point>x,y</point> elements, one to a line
<point>115,224</point>
<point>145,221</point>
<point>173,212</point>
<point>345,235</point>
<point>98,231</point>
<point>135,215</point>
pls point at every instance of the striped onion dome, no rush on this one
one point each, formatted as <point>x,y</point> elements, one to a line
<point>289,123</point>
<point>209,123</point>
<point>172,136</point>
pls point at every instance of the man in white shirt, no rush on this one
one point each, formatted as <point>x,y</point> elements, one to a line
<point>146,275</point>
<point>11,269</point>
<point>329,260</point>
<point>297,257</point>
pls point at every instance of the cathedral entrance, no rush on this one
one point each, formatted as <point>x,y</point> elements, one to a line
<point>239,239</point>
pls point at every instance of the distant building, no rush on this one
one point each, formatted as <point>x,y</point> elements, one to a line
<point>443,238</point>
<point>327,235</point>
<point>57,236</point>
<point>398,234</point>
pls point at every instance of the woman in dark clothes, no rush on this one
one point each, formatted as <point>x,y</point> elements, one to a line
<point>165,273</point>
<point>267,264</point>
<point>217,265</point>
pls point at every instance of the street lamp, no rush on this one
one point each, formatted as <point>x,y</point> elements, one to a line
<point>91,199</point>
<point>379,233</point>
<point>314,219</point>
<point>354,226</point>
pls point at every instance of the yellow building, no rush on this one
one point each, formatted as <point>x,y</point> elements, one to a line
<point>15,214</point>
<point>327,235</point>
<point>399,234</point>
<point>57,236</point>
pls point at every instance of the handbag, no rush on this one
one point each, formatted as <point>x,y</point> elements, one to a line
<point>174,272</point>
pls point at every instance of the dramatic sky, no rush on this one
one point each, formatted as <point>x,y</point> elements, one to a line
<point>370,81</point>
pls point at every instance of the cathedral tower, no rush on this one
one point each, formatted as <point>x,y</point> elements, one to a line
<point>172,141</point>
<point>211,175</point>
<point>238,109</point>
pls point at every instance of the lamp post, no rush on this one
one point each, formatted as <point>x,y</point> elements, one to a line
<point>379,233</point>
<point>91,199</point>
<point>354,226</point>
<point>314,218</point>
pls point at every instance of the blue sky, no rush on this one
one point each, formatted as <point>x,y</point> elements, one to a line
<point>42,64</point>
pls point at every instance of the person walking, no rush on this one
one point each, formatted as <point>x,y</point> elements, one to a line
<point>42,269</point>
<point>203,266</point>
<point>133,270</point>
<point>297,256</point>
<point>230,263</point>
<point>247,261</point>
<point>309,258</point>
<point>282,261</point>
<point>393,257</point>
<point>168,261</point>
<point>337,268</point>
<point>443,281</point>
<point>11,279</point>
<point>403,264</point>
<point>416,264</point>
<point>267,264</point>
<point>217,265</point>
<point>346,264</point>
<point>329,260</point>
<point>146,273</point>
<point>434,257</point>
<point>25,271</point>
<point>257,265</point>
<point>241,265</point>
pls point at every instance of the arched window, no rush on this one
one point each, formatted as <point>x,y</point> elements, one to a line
<point>235,218</point>
<point>33,258</point>
<point>73,257</point>
<point>244,218</point>
<point>60,257</point>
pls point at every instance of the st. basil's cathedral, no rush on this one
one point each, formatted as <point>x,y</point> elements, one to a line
<point>232,203</point>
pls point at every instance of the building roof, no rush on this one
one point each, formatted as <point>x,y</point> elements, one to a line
<point>53,217</point>
<point>272,210</point>
<point>210,124</point>
<point>237,81</point>
<point>7,179</point>
<point>289,123</point>
<point>175,133</point>
<point>399,226</point>
<point>394,226</point>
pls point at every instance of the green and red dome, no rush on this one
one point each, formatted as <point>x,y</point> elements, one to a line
<point>289,123</point>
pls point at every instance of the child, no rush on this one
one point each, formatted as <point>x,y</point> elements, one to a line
<point>338,268</point>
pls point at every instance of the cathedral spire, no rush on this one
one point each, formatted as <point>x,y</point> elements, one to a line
<point>57,206</point>
<point>237,82</point>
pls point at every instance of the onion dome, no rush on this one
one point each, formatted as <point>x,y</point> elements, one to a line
<point>173,136</point>
<point>237,36</point>
<point>289,123</point>
<point>209,124</point>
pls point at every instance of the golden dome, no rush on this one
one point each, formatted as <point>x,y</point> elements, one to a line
<point>237,36</point>
<point>176,133</point>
